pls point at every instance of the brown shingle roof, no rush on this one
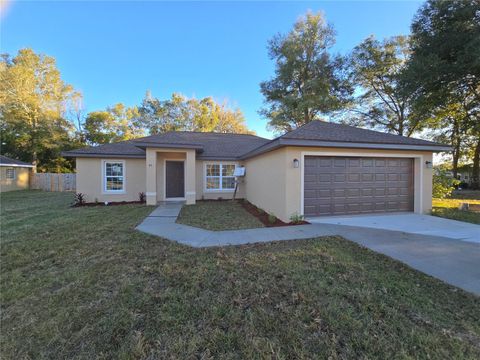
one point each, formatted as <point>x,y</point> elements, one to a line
<point>222,146</point>
<point>6,161</point>
<point>209,145</point>
<point>328,131</point>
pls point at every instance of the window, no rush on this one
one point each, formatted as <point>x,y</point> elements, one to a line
<point>114,176</point>
<point>10,174</point>
<point>220,177</point>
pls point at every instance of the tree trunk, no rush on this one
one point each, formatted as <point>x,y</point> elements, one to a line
<point>476,167</point>
<point>455,140</point>
<point>34,161</point>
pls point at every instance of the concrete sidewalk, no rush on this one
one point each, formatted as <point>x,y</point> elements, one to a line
<point>452,261</point>
<point>161,222</point>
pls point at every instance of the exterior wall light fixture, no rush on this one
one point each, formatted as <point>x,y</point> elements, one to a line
<point>296,163</point>
<point>428,164</point>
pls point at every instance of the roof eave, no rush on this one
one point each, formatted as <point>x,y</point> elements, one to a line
<point>101,155</point>
<point>144,145</point>
<point>315,143</point>
<point>18,165</point>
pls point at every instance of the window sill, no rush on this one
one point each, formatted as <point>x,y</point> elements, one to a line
<point>218,190</point>
<point>114,192</point>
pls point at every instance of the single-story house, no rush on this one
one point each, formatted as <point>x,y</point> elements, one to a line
<point>14,174</point>
<point>320,168</point>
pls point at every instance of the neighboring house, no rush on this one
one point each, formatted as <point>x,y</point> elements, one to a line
<point>14,174</point>
<point>464,175</point>
<point>318,169</point>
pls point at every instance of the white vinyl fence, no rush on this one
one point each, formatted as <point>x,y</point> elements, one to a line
<point>53,182</point>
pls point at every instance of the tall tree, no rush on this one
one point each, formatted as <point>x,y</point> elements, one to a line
<point>450,125</point>
<point>445,63</point>
<point>308,82</point>
<point>181,113</point>
<point>377,68</point>
<point>33,100</point>
<point>116,123</point>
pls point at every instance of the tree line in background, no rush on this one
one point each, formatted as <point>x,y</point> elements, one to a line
<point>41,115</point>
<point>426,84</point>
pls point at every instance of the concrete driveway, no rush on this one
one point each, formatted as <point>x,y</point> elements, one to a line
<point>409,223</point>
<point>446,249</point>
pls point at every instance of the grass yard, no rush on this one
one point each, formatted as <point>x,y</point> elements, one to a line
<point>448,208</point>
<point>82,283</point>
<point>218,215</point>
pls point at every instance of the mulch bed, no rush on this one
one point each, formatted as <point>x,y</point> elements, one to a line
<point>263,216</point>
<point>110,203</point>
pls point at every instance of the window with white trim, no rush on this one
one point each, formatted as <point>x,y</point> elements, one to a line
<point>220,177</point>
<point>114,176</point>
<point>10,174</point>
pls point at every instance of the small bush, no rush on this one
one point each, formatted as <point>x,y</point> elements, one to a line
<point>443,185</point>
<point>142,197</point>
<point>79,199</point>
<point>272,219</point>
<point>296,218</point>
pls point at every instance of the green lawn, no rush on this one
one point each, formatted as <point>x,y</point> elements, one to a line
<point>448,208</point>
<point>82,283</point>
<point>218,215</point>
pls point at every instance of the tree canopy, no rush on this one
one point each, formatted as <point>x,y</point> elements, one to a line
<point>309,82</point>
<point>182,113</point>
<point>32,107</point>
<point>444,67</point>
<point>377,67</point>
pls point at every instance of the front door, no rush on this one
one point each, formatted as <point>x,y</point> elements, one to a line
<point>174,179</point>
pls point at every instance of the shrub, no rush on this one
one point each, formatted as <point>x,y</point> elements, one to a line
<point>296,218</point>
<point>142,197</point>
<point>79,199</point>
<point>443,185</point>
<point>272,219</point>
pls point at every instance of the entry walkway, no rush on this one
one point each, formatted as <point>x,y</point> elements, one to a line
<point>450,260</point>
<point>161,222</point>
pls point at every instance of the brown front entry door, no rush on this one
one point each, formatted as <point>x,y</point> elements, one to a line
<point>174,179</point>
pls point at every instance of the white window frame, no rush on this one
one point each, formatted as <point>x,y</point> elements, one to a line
<point>221,163</point>
<point>104,176</point>
<point>14,172</point>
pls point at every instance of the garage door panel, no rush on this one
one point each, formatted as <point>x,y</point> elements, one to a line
<point>355,185</point>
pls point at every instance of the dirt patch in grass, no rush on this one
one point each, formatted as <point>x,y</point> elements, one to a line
<point>81,283</point>
<point>266,218</point>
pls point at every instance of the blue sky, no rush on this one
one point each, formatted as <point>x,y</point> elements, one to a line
<point>115,51</point>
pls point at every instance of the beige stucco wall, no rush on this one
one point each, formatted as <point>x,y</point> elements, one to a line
<point>202,193</point>
<point>276,186</point>
<point>21,181</point>
<point>90,179</point>
<point>265,182</point>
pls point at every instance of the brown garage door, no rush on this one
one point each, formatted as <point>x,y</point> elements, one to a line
<point>357,185</point>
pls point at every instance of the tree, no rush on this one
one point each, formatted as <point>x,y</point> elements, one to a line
<point>450,124</point>
<point>308,81</point>
<point>33,100</point>
<point>114,124</point>
<point>377,68</point>
<point>444,67</point>
<point>180,113</point>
